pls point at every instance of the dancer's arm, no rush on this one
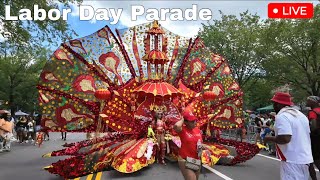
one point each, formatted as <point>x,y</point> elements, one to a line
<point>178,126</point>
<point>280,139</point>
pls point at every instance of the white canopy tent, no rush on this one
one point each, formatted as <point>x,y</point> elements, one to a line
<point>20,113</point>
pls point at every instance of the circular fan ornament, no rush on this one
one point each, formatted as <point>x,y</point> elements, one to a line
<point>121,83</point>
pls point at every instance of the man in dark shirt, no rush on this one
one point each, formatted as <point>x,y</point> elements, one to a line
<point>313,103</point>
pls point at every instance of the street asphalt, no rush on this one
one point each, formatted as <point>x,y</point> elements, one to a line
<point>25,162</point>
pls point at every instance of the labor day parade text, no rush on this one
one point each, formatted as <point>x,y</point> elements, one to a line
<point>87,12</point>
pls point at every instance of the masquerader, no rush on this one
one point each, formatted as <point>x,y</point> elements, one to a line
<point>134,87</point>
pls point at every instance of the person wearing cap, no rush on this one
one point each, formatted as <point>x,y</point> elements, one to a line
<point>313,103</point>
<point>190,136</point>
<point>272,147</point>
<point>292,138</point>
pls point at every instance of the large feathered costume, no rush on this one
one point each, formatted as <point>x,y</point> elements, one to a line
<point>130,84</point>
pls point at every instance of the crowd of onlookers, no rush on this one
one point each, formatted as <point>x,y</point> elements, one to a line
<point>259,126</point>
<point>264,125</point>
<point>26,128</point>
<point>23,129</point>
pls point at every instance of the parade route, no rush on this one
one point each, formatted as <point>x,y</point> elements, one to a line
<point>159,90</point>
<point>25,162</point>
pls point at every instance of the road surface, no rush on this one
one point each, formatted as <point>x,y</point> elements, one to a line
<point>25,162</point>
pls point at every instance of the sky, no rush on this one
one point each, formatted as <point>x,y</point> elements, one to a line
<point>183,28</point>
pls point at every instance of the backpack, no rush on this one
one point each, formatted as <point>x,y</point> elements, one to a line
<point>315,124</point>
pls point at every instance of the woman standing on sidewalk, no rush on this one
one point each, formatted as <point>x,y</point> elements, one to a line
<point>22,129</point>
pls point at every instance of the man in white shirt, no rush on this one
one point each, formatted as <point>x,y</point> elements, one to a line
<point>292,138</point>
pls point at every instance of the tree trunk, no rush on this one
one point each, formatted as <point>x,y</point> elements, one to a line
<point>11,103</point>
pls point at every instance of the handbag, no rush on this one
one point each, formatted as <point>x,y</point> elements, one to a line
<point>193,164</point>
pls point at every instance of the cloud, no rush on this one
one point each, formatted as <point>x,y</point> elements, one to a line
<point>185,28</point>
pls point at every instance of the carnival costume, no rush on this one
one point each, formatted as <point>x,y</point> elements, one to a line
<point>134,87</point>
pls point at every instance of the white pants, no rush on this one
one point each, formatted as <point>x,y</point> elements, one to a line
<point>290,171</point>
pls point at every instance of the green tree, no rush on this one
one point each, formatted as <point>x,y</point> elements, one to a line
<point>21,54</point>
<point>34,32</point>
<point>294,57</point>
<point>19,75</point>
<point>259,95</point>
<point>238,40</point>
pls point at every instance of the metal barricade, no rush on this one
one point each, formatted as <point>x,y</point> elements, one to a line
<point>251,131</point>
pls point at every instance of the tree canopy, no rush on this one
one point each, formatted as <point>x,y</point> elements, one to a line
<point>22,54</point>
<point>19,75</point>
<point>265,54</point>
<point>295,52</point>
<point>34,32</point>
<point>238,40</point>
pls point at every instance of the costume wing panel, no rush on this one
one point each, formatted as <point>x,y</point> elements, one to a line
<point>134,157</point>
<point>209,75</point>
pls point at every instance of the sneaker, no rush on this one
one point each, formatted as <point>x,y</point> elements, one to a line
<point>27,141</point>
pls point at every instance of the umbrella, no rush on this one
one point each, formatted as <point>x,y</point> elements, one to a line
<point>158,89</point>
<point>20,113</point>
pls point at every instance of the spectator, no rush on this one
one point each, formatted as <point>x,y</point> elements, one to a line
<point>314,118</point>
<point>292,138</point>
<point>266,130</point>
<point>38,123</point>
<point>45,130</point>
<point>31,130</point>
<point>6,132</point>
<point>64,135</point>
<point>190,136</point>
<point>46,136</point>
<point>253,116</point>
<point>271,145</point>
<point>22,129</point>
<point>258,123</point>
<point>241,133</point>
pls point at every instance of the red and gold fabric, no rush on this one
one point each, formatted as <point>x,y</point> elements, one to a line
<point>188,77</point>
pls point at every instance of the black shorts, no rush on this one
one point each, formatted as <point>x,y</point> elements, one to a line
<point>315,146</point>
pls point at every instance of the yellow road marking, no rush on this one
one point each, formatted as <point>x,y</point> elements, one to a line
<point>98,177</point>
<point>89,177</point>
<point>77,178</point>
